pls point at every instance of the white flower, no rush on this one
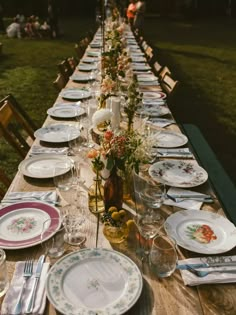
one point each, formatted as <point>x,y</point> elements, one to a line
<point>101,116</point>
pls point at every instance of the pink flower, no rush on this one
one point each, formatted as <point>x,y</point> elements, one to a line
<point>108,135</point>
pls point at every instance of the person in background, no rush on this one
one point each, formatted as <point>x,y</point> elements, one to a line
<point>53,18</point>
<point>29,27</point>
<point>13,30</point>
<point>2,27</point>
<point>139,16</point>
<point>131,11</point>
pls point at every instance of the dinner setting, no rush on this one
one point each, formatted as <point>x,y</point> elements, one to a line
<point>111,211</point>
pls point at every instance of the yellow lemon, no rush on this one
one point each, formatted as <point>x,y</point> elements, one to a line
<point>122,212</point>
<point>130,224</point>
<point>115,216</point>
<point>112,209</point>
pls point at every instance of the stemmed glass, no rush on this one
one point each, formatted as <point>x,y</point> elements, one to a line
<point>149,197</point>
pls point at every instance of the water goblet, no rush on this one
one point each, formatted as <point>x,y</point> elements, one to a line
<point>53,242</point>
<point>64,175</point>
<point>163,256</point>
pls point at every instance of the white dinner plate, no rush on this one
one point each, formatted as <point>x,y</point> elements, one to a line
<point>94,281</point>
<point>57,133</point>
<point>66,111</point>
<point>146,78</point>
<point>140,67</point>
<point>93,53</point>
<point>21,223</point>
<point>178,173</point>
<point>201,231</point>
<point>154,95</point>
<point>170,139</point>
<point>138,59</point>
<point>43,165</point>
<point>86,67</point>
<point>81,77</point>
<point>156,111</point>
<point>75,94</point>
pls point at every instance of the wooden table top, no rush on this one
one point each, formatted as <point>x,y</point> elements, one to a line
<point>165,296</point>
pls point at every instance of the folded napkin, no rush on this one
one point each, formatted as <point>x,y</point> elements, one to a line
<point>160,122</point>
<point>185,204</point>
<point>218,277</point>
<point>12,294</point>
<point>183,153</point>
<point>36,150</point>
<point>44,196</point>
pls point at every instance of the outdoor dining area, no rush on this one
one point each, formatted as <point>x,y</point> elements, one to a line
<point>111,211</point>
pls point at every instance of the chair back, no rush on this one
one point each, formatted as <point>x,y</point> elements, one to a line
<point>168,84</point>
<point>65,69</point>
<point>14,128</point>
<point>60,82</point>
<point>163,72</point>
<point>157,67</point>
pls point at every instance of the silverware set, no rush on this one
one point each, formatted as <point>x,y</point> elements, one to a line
<point>197,197</point>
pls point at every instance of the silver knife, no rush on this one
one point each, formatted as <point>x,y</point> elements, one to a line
<point>206,265</point>
<point>38,271</point>
<point>186,196</point>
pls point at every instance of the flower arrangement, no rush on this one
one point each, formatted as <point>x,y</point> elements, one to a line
<point>133,100</point>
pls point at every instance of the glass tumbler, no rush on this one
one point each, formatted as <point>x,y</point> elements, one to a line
<point>163,256</point>
<point>4,284</point>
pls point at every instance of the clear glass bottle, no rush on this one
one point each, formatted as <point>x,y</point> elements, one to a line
<point>96,196</point>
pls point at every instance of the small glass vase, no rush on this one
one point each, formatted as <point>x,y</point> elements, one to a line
<point>96,196</point>
<point>113,191</point>
<point>116,234</point>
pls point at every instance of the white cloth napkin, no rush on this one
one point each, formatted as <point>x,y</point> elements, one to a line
<point>185,204</point>
<point>45,196</point>
<point>182,152</point>
<point>191,279</point>
<point>36,150</point>
<point>12,294</point>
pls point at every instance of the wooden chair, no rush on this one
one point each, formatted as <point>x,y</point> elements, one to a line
<point>165,70</point>
<point>79,51</point>
<point>73,62</point>
<point>4,183</point>
<point>65,69</point>
<point>15,128</point>
<point>60,82</point>
<point>156,67</point>
<point>168,84</point>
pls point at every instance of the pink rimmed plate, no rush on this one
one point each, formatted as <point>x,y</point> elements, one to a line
<point>21,223</point>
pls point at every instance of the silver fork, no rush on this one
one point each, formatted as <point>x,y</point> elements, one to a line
<point>28,271</point>
<point>204,273</point>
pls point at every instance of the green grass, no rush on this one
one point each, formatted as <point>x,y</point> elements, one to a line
<point>27,70</point>
<point>202,56</point>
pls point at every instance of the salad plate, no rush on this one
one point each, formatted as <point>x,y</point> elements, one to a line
<point>109,283</point>
<point>178,173</point>
<point>21,223</point>
<point>154,95</point>
<point>201,231</point>
<point>81,77</point>
<point>57,133</point>
<point>93,53</point>
<point>66,111</point>
<point>75,94</point>
<point>86,67</point>
<point>170,139</point>
<point>151,111</point>
<point>43,165</point>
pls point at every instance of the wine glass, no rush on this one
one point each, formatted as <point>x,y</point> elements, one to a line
<point>64,175</point>
<point>149,197</point>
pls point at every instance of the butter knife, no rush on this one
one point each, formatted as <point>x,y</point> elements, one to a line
<point>205,265</point>
<point>30,305</point>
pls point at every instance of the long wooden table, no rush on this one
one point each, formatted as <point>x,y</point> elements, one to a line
<point>165,296</point>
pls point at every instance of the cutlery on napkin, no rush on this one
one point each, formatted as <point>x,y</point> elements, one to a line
<point>15,287</point>
<point>222,272</point>
<point>185,199</point>
<point>183,153</point>
<point>36,150</point>
<point>160,122</point>
<point>44,196</point>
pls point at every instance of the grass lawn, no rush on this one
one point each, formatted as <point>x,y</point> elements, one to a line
<point>202,56</point>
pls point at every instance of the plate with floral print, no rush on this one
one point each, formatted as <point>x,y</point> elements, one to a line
<point>109,283</point>
<point>178,173</point>
<point>201,231</point>
<point>21,223</point>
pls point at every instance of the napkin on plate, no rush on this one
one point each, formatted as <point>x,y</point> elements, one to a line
<point>185,204</point>
<point>12,294</point>
<point>182,152</point>
<point>36,150</point>
<point>44,196</point>
<point>190,279</point>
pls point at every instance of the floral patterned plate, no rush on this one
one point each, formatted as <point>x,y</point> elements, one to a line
<point>21,223</point>
<point>178,173</point>
<point>57,133</point>
<point>94,281</point>
<point>201,231</point>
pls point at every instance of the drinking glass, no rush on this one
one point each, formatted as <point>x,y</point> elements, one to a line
<point>64,175</point>
<point>52,242</point>
<point>74,219</point>
<point>4,284</point>
<point>163,256</point>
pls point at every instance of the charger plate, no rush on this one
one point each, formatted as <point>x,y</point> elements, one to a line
<point>94,281</point>
<point>21,223</point>
<point>178,173</point>
<point>201,231</point>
